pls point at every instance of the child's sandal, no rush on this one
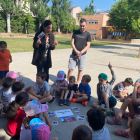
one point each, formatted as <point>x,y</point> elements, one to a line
<point>107,113</point>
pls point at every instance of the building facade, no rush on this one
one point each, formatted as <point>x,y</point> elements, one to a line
<point>98,24</point>
<point>74,12</point>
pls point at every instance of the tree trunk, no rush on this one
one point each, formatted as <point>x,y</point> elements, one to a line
<point>25,27</point>
<point>58,28</point>
<point>8,23</point>
<point>39,24</point>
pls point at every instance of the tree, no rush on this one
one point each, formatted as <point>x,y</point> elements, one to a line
<point>8,9</point>
<point>40,9</point>
<point>123,13</point>
<point>60,11</point>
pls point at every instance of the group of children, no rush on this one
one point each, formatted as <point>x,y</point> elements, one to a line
<point>23,106</point>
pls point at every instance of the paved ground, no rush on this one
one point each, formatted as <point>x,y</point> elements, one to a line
<point>96,63</point>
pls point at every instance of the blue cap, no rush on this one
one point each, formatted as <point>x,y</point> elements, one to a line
<point>137,81</point>
<point>35,121</point>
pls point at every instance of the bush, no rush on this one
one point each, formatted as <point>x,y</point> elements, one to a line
<point>3,25</point>
<point>17,24</point>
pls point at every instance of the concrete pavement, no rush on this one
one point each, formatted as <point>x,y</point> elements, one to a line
<point>96,63</point>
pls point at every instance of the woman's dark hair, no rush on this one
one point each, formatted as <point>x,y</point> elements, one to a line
<point>3,43</point>
<point>45,24</point>
<point>21,99</point>
<point>28,119</point>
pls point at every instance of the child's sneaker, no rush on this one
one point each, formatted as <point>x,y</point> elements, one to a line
<point>114,120</point>
<point>53,99</point>
<point>73,100</point>
<point>68,103</point>
<point>61,102</point>
<point>85,103</point>
<point>65,102</point>
<point>122,133</point>
<point>126,115</point>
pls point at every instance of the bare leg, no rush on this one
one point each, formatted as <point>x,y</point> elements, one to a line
<point>71,95</point>
<point>33,97</point>
<point>80,72</point>
<point>62,94</point>
<point>69,74</point>
<point>66,94</point>
<point>54,92</point>
<point>96,105</point>
<point>80,99</point>
<point>46,99</point>
<point>127,103</point>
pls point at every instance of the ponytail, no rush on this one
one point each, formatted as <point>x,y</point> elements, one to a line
<point>12,110</point>
<point>21,99</point>
<point>41,28</point>
<point>28,119</point>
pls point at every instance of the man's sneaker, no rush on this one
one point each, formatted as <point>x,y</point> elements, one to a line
<point>61,102</point>
<point>65,102</point>
<point>85,103</point>
<point>53,99</point>
<point>68,103</point>
<point>122,133</point>
<point>114,120</point>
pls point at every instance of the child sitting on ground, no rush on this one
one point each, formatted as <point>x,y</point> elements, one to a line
<point>84,91</point>
<point>13,75</point>
<point>96,120</point>
<point>104,92</point>
<point>82,132</point>
<point>40,131</point>
<point>121,89</point>
<point>62,84</point>
<point>42,87</point>
<point>133,105</point>
<point>33,110</point>
<point>5,59</point>
<point>72,88</point>
<point>17,87</point>
<point>15,114</point>
<point>5,91</point>
<point>135,129</point>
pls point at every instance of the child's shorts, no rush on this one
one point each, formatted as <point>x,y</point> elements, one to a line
<point>112,102</point>
<point>3,74</point>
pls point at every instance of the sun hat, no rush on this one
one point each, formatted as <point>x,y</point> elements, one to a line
<point>103,76</point>
<point>12,74</point>
<point>136,81</point>
<point>35,121</point>
<point>40,132</point>
<point>60,75</point>
<point>34,108</point>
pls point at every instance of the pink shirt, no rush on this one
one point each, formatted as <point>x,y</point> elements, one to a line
<point>63,84</point>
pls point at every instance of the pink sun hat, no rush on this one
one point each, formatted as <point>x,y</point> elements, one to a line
<point>12,74</point>
<point>34,107</point>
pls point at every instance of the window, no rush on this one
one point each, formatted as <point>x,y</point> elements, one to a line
<point>92,22</point>
<point>93,32</point>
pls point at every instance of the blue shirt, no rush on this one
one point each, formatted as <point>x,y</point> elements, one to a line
<point>86,88</point>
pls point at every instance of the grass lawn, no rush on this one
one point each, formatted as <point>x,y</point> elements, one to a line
<point>25,44</point>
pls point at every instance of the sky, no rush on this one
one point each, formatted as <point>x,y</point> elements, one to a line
<point>100,5</point>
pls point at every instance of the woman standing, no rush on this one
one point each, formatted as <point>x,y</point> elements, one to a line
<point>42,48</point>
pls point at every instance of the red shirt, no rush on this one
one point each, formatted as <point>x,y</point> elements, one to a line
<point>4,60</point>
<point>14,126</point>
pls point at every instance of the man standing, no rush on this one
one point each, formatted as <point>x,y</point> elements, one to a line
<point>80,43</point>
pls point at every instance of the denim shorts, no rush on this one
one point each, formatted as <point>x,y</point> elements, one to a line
<point>3,74</point>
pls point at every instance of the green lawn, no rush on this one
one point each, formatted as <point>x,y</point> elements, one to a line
<point>25,44</point>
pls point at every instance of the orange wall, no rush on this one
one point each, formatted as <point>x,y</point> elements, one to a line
<point>102,21</point>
